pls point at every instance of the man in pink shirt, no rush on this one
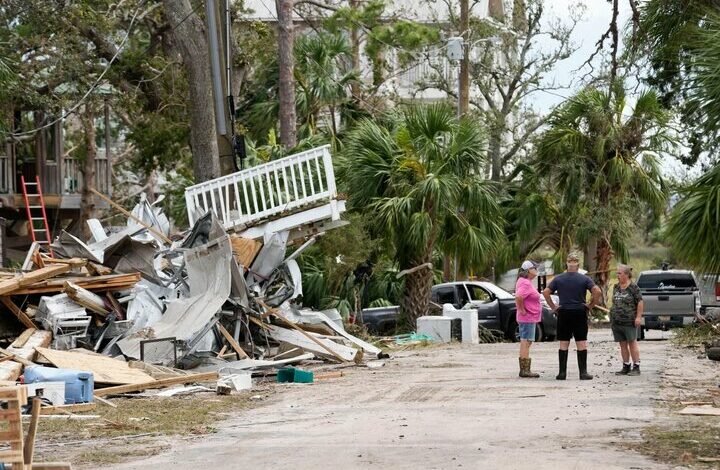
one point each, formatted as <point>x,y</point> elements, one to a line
<point>529,312</point>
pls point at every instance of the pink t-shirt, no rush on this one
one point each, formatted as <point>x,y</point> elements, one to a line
<point>531,297</point>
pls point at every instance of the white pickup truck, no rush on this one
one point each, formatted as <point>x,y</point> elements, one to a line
<point>671,298</point>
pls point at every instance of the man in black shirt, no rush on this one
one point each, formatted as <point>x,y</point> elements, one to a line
<point>572,288</point>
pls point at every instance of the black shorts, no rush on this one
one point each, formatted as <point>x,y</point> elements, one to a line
<point>572,323</point>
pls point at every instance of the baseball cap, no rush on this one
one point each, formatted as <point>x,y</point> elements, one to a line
<point>527,265</point>
<point>573,257</point>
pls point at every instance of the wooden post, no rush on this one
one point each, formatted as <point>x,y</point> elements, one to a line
<point>29,448</point>
<point>3,249</point>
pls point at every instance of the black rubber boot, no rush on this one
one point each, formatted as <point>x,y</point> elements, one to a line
<point>562,360</point>
<point>635,370</point>
<point>625,370</point>
<point>582,365</point>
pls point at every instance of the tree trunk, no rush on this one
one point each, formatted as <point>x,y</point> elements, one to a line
<point>355,44</point>
<point>464,95</point>
<point>416,296</point>
<point>191,39</point>
<point>87,203</point>
<point>495,152</point>
<point>286,65</point>
<point>603,257</point>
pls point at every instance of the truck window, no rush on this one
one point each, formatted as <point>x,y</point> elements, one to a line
<point>479,294</point>
<point>446,296</point>
<point>666,281</point>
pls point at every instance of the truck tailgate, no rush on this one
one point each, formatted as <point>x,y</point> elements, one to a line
<point>668,302</point>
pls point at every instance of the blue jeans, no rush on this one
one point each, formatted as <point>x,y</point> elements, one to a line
<point>527,331</point>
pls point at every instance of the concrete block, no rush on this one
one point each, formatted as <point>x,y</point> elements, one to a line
<point>438,328</point>
<point>469,320</point>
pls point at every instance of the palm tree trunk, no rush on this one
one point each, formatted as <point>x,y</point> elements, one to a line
<point>603,256</point>
<point>416,296</point>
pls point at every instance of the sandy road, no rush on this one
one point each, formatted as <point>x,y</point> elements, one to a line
<point>454,406</point>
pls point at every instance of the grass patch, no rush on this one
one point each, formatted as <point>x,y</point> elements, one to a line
<point>688,445</point>
<point>195,414</point>
<point>190,415</point>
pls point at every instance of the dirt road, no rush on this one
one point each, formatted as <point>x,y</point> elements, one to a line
<point>454,406</point>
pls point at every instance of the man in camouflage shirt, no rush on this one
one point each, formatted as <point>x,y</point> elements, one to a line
<point>626,314</point>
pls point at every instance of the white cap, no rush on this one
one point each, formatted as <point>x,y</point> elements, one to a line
<point>527,265</point>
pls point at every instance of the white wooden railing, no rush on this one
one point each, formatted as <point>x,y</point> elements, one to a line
<point>268,190</point>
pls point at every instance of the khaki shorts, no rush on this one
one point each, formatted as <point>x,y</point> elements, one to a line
<point>624,333</point>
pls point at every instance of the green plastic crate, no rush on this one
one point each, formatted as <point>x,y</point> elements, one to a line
<point>291,374</point>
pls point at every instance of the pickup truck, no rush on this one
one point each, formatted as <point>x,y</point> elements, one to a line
<point>495,306</point>
<point>671,298</point>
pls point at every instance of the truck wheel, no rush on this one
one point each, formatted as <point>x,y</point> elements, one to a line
<point>713,354</point>
<point>640,333</point>
<point>538,332</point>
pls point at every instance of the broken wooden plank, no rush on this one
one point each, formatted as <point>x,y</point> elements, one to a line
<point>244,249</point>
<point>104,401</point>
<point>700,411</point>
<point>52,466</point>
<point>98,269</point>
<point>106,370</point>
<point>19,314</point>
<point>316,345</point>
<point>202,377</point>
<point>109,282</point>
<point>65,409</point>
<point>26,279</point>
<point>23,338</point>
<point>85,298</point>
<point>29,446</point>
<point>234,344</point>
<point>17,358</point>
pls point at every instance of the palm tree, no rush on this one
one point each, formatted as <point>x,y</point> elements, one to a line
<point>418,176</point>
<point>604,163</point>
<point>684,39</point>
<point>693,225</point>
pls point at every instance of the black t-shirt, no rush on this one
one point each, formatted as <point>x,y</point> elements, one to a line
<point>572,288</point>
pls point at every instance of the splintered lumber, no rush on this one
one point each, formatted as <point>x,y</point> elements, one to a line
<point>65,409</point>
<point>127,214</point>
<point>109,282</point>
<point>158,372</point>
<point>24,337</point>
<point>52,466</point>
<point>700,411</point>
<point>19,314</point>
<point>319,346</point>
<point>244,249</point>
<point>29,449</point>
<point>11,285</point>
<point>106,370</point>
<point>185,379</point>
<point>98,269</point>
<point>86,298</point>
<point>23,353</point>
<point>234,344</point>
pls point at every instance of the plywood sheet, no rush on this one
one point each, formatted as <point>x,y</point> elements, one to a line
<point>106,370</point>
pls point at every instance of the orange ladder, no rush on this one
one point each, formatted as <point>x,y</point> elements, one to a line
<point>40,234</point>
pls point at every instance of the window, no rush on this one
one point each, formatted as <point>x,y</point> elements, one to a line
<point>446,295</point>
<point>479,294</point>
<point>667,281</point>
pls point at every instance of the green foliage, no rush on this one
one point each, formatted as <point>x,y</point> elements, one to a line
<point>419,177</point>
<point>693,224</point>
<point>596,172</point>
<point>682,41</point>
<point>160,139</point>
<point>406,37</point>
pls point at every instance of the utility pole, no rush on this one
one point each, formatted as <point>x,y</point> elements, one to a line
<point>464,79</point>
<point>286,63</point>
<point>219,45</point>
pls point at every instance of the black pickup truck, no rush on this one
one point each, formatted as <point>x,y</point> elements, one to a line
<point>495,306</point>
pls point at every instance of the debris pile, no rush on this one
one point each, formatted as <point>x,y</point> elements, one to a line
<point>140,310</point>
